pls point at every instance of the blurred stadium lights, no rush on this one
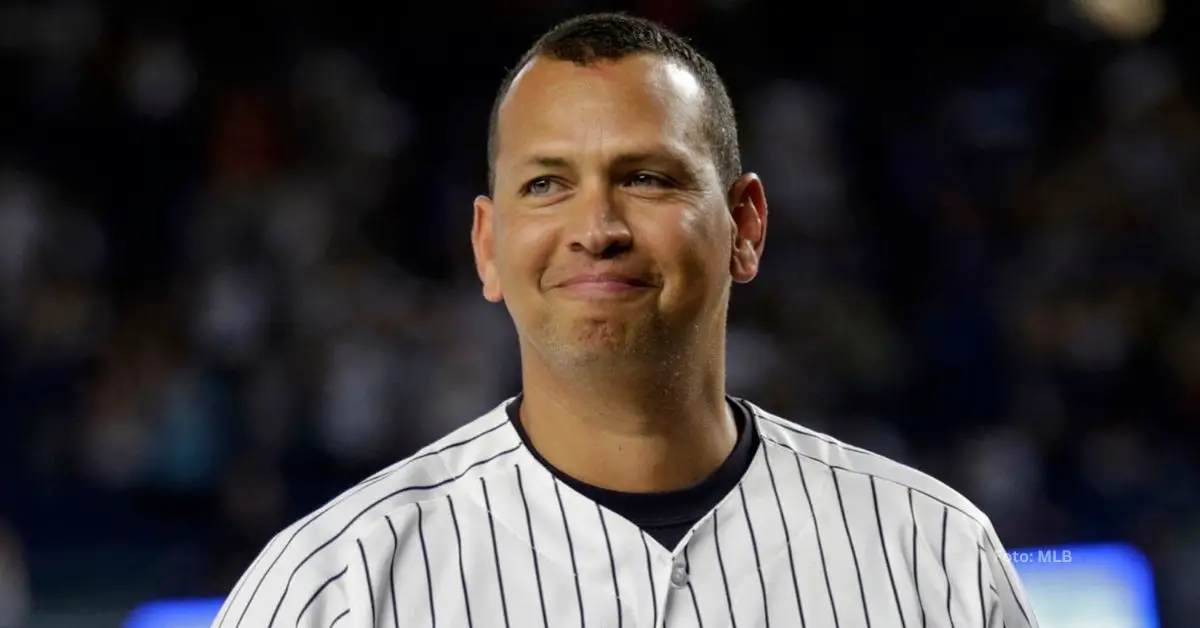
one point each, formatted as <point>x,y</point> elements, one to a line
<point>1122,19</point>
<point>175,614</point>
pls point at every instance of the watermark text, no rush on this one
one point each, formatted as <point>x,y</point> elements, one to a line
<point>1022,557</point>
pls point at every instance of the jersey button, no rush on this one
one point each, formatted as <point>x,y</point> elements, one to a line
<point>679,575</point>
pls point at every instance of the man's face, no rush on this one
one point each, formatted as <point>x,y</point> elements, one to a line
<point>610,233</point>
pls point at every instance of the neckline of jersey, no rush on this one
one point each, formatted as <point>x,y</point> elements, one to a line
<point>668,507</point>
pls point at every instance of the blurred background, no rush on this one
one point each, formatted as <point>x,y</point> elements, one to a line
<point>235,275</point>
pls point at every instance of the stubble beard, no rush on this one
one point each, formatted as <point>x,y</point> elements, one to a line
<point>610,345</point>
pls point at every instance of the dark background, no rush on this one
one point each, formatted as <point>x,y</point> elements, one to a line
<point>235,275</point>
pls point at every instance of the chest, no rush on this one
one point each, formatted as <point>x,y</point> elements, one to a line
<point>600,572</point>
<point>796,544</point>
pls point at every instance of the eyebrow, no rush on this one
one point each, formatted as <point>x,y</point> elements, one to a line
<point>544,161</point>
<point>657,155</point>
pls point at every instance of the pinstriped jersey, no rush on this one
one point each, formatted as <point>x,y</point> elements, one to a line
<point>473,531</point>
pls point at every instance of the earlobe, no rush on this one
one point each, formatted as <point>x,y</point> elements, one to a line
<point>743,264</point>
<point>492,295</point>
<point>491,284</point>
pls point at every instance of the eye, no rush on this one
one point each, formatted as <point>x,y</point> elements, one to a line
<point>645,179</point>
<point>540,186</point>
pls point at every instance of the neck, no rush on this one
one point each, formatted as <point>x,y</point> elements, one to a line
<point>629,429</point>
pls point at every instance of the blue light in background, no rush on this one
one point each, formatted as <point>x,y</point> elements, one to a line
<point>175,614</point>
<point>1072,586</point>
<point>1088,586</point>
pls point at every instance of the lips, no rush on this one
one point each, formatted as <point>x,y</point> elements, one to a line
<point>604,286</point>
<point>615,280</point>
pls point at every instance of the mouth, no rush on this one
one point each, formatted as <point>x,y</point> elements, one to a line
<point>604,284</point>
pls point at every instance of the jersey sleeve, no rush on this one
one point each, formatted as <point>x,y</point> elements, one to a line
<point>1009,603</point>
<point>288,585</point>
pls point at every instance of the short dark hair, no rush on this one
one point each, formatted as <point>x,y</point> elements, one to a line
<point>586,39</point>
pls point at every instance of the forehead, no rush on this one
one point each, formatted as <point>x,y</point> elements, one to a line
<point>637,104</point>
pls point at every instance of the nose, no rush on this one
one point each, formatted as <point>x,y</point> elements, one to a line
<point>598,227</point>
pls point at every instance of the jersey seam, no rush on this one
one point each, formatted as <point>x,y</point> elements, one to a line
<point>381,476</point>
<point>979,518</point>
<point>979,524</point>
<point>453,488</point>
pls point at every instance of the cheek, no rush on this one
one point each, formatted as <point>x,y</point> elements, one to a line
<point>524,248</point>
<point>695,248</point>
<point>707,236</point>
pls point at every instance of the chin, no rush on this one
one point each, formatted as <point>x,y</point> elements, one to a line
<point>571,337</point>
<point>598,336</point>
<point>605,340</point>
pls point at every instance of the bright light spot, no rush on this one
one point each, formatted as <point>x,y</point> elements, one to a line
<point>1123,19</point>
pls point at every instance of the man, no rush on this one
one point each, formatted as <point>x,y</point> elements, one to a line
<point>623,487</point>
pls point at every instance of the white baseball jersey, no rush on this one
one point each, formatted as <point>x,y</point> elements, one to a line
<point>473,532</point>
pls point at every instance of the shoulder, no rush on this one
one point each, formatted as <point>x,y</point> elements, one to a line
<point>317,548</point>
<point>895,486</point>
<point>428,474</point>
<point>942,536</point>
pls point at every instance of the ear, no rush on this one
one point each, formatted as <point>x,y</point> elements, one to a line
<point>482,244</point>
<point>748,210</point>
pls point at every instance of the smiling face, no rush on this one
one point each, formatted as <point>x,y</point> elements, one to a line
<point>610,234</point>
